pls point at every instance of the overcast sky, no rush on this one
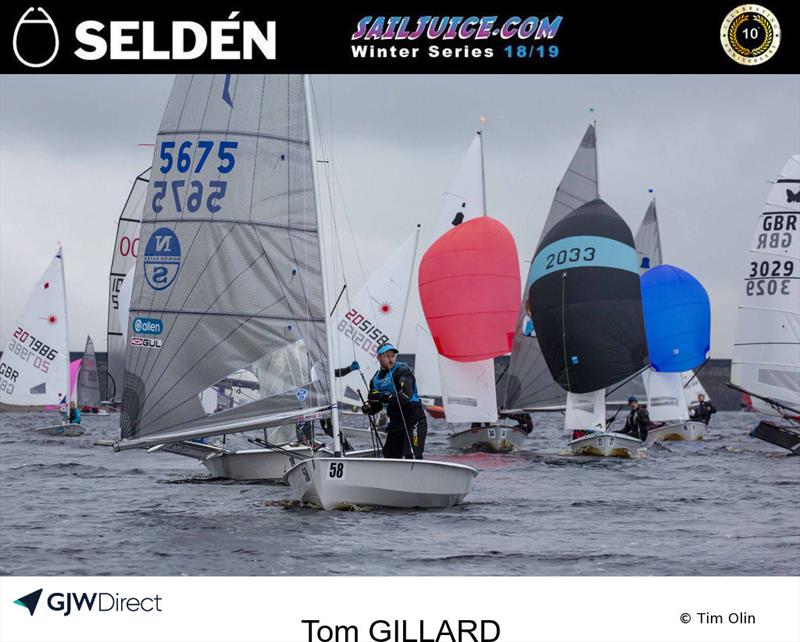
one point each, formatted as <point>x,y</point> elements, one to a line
<point>708,145</point>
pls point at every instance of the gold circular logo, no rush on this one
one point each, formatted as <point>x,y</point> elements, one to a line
<point>750,34</point>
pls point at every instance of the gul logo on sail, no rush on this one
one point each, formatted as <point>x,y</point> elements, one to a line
<point>36,39</point>
<point>162,258</point>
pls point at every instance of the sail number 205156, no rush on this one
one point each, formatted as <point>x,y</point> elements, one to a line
<point>190,157</point>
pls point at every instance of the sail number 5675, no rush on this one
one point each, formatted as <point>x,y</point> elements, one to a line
<point>179,155</point>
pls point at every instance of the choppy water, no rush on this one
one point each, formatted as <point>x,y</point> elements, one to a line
<point>726,506</point>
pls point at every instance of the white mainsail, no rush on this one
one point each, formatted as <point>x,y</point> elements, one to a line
<point>230,261</point>
<point>766,354</point>
<point>692,387</point>
<point>586,411</point>
<point>648,240</point>
<point>34,370</point>
<point>373,317</point>
<point>88,379</point>
<point>123,261</point>
<point>666,399</point>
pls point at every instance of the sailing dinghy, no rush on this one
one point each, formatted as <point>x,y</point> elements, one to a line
<point>527,386</point>
<point>677,318</point>
<point>766,355</point>
<point>230,267</point>
<point>35,369</point>
<point>88,387</point>
<point>586,306</point>
<point>337,482</point>
<point>469,287</point>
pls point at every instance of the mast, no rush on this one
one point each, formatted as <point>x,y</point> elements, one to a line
<point>483,173</point>
<point>337,442</point>
<point>596,162</point>
<point>408,289</point>
<point>68,394</point>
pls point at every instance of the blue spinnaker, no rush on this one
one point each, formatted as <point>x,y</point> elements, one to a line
<point>677,318</point>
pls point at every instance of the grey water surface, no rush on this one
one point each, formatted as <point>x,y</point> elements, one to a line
<point>724,506</point>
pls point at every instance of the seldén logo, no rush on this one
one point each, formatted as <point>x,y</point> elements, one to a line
<point>36,39</point>
<point>69,603</point>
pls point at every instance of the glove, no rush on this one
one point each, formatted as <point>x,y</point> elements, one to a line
<point>374,395</point>
<point>366,409</point>
<point>354,366</point>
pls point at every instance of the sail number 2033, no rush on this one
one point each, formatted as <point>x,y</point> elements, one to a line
<point>188,157</point>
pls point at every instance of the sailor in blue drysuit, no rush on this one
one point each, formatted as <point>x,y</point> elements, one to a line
<point>395,387</point>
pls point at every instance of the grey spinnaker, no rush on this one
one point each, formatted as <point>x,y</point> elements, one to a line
<point>527,384</point>
<point>126,247</point>
<point>229,270</point>
<point>88,380</point>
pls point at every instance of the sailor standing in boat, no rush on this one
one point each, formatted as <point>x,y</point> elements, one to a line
<point>703,411</point>
<point>74,414</point>
<point>395,387</point>
<point>638,420</point>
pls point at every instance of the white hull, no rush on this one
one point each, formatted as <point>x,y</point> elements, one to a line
<point>255,464</point>
<point>493,439</point>
<point>332,483</point>
<point>360,433</point>
<point>62,430</point>
<point>679,431</point>
<point>607,444</point>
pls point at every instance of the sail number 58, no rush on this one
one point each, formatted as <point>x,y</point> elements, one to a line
<point>336,470</point>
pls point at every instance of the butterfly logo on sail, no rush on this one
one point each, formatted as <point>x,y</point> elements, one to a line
<point>162,258</point>
<point>792,197</point>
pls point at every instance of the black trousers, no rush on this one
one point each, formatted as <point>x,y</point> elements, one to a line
<point>399,443</point>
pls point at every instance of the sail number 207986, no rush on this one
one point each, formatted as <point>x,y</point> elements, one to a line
<point>188,157</point>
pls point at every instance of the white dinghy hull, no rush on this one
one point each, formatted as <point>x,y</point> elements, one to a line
<point>254,464</point>
<point>343,482</point>
<point>493,439</point>
<point>257,464</point>
<point>679,431</point>
<point>607,444</point>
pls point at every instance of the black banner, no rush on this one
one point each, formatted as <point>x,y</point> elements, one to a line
<point>532,38</point>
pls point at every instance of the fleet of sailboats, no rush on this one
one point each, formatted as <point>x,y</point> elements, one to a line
<point>223,317</point>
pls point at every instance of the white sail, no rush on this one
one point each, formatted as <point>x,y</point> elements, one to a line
<point>426,365</point>
<point>666,400</point>
<point>463,201</point>
<point>123,261</point>
<point>468,391</point>
<point>373,317</point>
<point>88,379</point>
<point>692,387</point>
<point>586,411</point>
<point>766,354</point>
<point>230,261</point>
<point>34,370</point>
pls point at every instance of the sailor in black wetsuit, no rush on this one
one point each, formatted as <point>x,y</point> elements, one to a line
<point>638,420</point>
<point>703,411</point>
<point>395,387</point>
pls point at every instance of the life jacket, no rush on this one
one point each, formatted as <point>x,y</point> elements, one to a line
<point>386,383</point>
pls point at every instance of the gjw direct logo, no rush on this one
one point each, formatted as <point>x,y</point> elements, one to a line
<point>70,603</point>
<point>36,39</point>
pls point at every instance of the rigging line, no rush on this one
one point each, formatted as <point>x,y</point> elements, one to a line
<point>189,334</point>
<point>697,372</point>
